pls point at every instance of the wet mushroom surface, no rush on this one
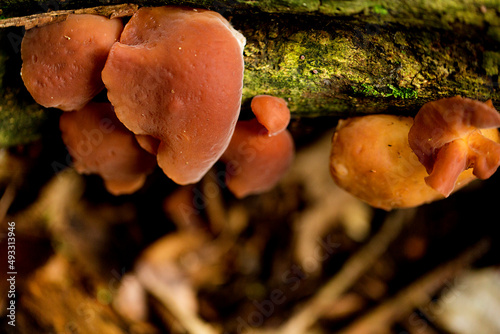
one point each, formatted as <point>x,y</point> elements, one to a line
<point>62,62</point>
<point>177,75</point>
<point>261,150</point>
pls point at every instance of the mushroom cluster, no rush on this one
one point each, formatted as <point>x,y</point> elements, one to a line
<point>396,162</point>
<point>177,76</point>
<point>261,149</point>
<point>99,143</point>
<point>174,79</point>
<point>452,135</point>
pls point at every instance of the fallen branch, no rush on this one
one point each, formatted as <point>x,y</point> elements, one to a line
<point>416,295</point>
<point>353,269</point>
<point>37,20</point>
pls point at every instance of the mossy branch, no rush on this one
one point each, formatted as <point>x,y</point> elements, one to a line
<point>343,58</point>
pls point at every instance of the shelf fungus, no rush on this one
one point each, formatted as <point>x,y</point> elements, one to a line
<point>395,162</point>
<point>261,149</point>
<point>62,62</point>
<point>175,79</point>
<point>100,144</point>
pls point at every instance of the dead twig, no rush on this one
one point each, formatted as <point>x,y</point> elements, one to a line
<point>37,20</point>
<point>188,320</point>
<point>417,294</point>
<point>347,276</point>
<point>7,199</point>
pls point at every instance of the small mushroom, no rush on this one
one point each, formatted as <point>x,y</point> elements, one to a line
<point>372,159</point>
<point>100,144</point>
<point>62,62</point>
<point>452,135</point>
<point>381,168</point>
<point>272,112</point>
<point>257,158</point>
<point>177,76</point>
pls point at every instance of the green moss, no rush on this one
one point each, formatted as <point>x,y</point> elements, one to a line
<point>366,90</point>
<point>284,6</point>
<point>387,91</point>
<point>326,69</point>
<point>301,68</point>
<point>425,13</point>
<point>346,8</point>
<point>491,62</point>
<point>380,10</point>
<point>20,120</point>
<point>402,92</point>
<point>19,124</point>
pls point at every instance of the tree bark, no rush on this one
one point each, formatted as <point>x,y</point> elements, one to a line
<point>343,58</point>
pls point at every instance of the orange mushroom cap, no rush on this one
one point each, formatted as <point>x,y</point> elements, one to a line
<point>255,159</point>
<point>62,62</point>
<point>371,159</point>
<point>452,135</point>
<point>272,112</point>
<point>149,143</point>
<point>177,75</point>
<point>100,144</point>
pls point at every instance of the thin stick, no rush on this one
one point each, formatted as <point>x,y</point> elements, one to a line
<point>188,320</point>
<point>37,20</point>
<point>352,270</point>
<point>416,295</point>
<point>7,199</point>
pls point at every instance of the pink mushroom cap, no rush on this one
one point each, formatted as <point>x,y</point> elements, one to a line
<point>255,159</point>
<point>452,135</point>
<point>177,75</point>
<point>62,62</point>
<point>100,144</point>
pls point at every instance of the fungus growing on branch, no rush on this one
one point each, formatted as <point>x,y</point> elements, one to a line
<point>176,76</point>
<point>272,112</point>
<point>452,135</point>
<point>381,161</point>
<point>371,159</point>
<point>62,62</point>
<point>100,144</point>
<point>261,149</point>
